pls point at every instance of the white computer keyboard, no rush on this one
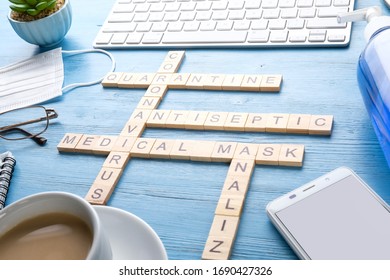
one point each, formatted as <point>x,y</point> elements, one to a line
<point>222,23</point>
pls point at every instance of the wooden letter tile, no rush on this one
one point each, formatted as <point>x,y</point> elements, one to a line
<point>321,125</point>
<point>235,121</point>
<point>149,103</point>
<point>156,91</point>
<point>123,144</point>
<point>117,160</point>
<point>172,62</point>
<point>69,142</point>
<point>196,120</point>
<point>251,83</point>
<point>271,83</point>
<point>178,80</point>
<point>214,81</point>
<point>235,185</point>
<point>230,205</point>
<point>169,66</point>
<point>104,145</point>
<point>202,150</point>
<point>224,226</point>
<point>143,80</point>
<point>241,167</point>
<point>142,147</point>
<point>162,79</point>
<point>175,56</point>
<point>298,123</point>
<point>133,129</point>
<point>215,121</point>
<point>176,119</point>
<point>196,81</point>
<point>108,176</point>
<point>158,118</point>
<point>99,195</point>
<point>232,82</point>
<point>140,115</point>
<point>161,148</point>
<point>127,80</point>
<point>112,79</point>
<point>268,154</point>
<point>246,151</point>
<point>217,248</point>
<point>223,151</point>
<point>256,122</point>
<point>86,143</point>
<point>291,155</point>
<point>181,149</point>
<point>277,123</point>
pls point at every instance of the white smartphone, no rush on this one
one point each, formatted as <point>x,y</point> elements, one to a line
<point>337,216</point>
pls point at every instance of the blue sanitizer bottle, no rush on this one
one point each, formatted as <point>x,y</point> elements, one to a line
<point>373,71</point>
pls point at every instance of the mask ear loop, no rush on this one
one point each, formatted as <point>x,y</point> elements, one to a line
<point>74,52</point>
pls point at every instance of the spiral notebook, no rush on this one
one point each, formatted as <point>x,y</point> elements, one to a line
<point>7,164</point>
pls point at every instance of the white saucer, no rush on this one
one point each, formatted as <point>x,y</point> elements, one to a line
<point>131,238</point>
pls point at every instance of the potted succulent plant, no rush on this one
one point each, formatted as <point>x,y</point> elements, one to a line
<point>41,22</point>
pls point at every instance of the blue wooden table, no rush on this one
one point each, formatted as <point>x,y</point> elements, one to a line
<point>178,198</point>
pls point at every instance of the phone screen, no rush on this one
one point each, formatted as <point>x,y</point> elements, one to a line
<point>341,221</point>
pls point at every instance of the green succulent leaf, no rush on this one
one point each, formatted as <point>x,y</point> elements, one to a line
<point>17,1</point>
<point>41,6</point>
<point>51,4</point>
<point>20,7</point>
<point>33,12</point>
<point>32,3</point>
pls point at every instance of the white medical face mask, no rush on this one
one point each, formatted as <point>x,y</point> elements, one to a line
<point>38,79</point>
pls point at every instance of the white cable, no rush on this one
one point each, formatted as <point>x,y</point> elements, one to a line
<point>74,52</point>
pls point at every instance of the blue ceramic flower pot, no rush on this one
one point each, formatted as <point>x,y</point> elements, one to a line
<point>46,32</point>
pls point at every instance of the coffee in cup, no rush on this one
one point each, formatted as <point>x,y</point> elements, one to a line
<point>52,225</point>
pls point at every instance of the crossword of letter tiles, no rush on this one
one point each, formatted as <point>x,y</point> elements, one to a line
<point>241,157</point>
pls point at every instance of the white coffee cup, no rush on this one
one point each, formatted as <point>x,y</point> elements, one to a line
<point>58,202</point>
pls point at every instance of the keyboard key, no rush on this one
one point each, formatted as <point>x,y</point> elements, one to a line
<point>152,38</point>
<point>341,3</point>
<point>119,38</point>
<point>134,38</point>
<point>323,3</point>
<point>305,3</point>
<point>103,38</point>
<point>297,38</point>
<point>208,26</point>
<point>258,36</point>
<point>279,36</point>
<point>191,26</point>
<point>287,3</point>
<point>317,36</point>
<point>324,23</point>
<point>225,25</point>
<point>295,23</point>
<point>336,38</point>
<point>121,17</point>
<point>242,25</point>
<point>252,4</point>
<point>331,12</point>
<point>206,37</point>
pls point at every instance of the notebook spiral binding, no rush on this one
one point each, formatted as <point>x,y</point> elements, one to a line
<point>7,165</point>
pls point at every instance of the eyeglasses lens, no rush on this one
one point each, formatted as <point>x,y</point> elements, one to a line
<point>23,123</point>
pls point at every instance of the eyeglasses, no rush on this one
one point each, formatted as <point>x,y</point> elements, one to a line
<point>14,126</point>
